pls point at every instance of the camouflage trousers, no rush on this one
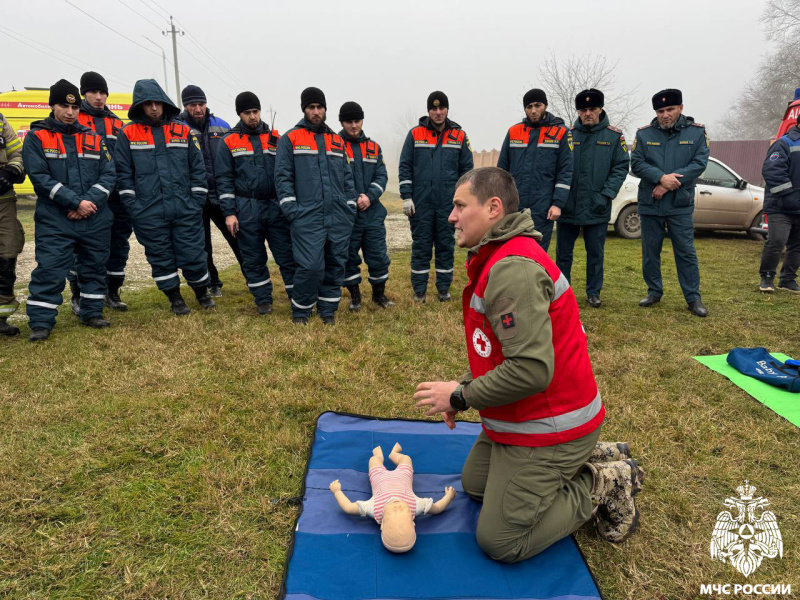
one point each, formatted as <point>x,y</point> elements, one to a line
<point>532,497</point>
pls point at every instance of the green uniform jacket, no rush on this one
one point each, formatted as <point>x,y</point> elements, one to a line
<point>600,164</point>
<point>682,149</point>
<point>10,157</point>
<point>529,358</point>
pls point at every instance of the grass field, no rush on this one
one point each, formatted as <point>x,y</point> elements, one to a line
<point>157,459</point>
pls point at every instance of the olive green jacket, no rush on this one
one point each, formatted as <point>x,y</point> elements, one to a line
<point>520,285</point>
<point>11,157</point>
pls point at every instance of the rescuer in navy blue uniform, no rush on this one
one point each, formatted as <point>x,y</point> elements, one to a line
<point>162,181</point>
<point>435,154</point>
<point>669,155</point>
<point>209,130</point>
<point>72,174</point>
<point>246,185</point>
<point>538,154</point>
<point>96,116</point>
<point>316,193</point>
<point>369,230</point>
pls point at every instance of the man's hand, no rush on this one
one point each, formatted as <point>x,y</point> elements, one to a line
<point>86,208</point>
<point>408,207</point>
<point>232,223</point>
<point>73,215</point>
<point>336,486</point>
<point>449,419</point>
<point>436,396</point>
<point>553,213</point>
<point>659,191</point>
<point>671,181</point>
<point>363,202</point>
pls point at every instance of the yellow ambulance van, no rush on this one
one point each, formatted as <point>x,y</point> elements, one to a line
<point>21,108</point>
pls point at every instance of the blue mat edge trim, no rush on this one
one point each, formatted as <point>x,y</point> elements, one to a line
<point>290,550</point>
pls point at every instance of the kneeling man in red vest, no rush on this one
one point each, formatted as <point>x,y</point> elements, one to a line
<point>537,466</point>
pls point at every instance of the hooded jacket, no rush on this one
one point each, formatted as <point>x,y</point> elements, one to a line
<point>431,163</point>
<point>600,165</point>
<point>682,149</point>
<point>159,163</point>
<point>245,165</point>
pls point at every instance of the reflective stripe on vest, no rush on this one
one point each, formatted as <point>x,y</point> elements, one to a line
<point>426,138</point>
<point>140,136</point>
<point>89,144</point>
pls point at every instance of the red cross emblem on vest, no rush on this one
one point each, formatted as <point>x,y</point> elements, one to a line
<point>481,343</point>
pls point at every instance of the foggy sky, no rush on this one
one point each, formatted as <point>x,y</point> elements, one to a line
<point>389,56</point>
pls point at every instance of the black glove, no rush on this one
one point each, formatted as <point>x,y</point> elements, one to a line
<point>6,181</point>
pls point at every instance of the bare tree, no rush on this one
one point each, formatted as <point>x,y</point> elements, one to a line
<point>562,80</point>
<point>760,106</point>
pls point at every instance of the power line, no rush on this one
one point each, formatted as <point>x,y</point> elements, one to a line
<point>214,59</point>
<point>130,8</point>
<point>151,6</point>
<point>206,66</point>
<point>55,56</point>
<point>111,28</point>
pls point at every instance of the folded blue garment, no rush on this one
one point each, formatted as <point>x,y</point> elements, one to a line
<point>760,364</point>
<point>335,556</point>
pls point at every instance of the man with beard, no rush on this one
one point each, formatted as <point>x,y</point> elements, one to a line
<point>73,175</point>
<point>245,168</point>
<point>316,193</point>
<point>162,181</point>
<point>538,154</point>
<point>369,230</point>
<point>600,166</point>
<point>209,130</point>
<point>669,155</point>
<point>96,116</point>
<point>435,154</point>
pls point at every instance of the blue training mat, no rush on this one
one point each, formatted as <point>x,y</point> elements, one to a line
<point>336,556</point>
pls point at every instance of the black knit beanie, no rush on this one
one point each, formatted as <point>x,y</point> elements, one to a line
<point>64,92</point>
<point>192,94</point>
<point>91,81</point>
<point>351,111</point>
<point>438,99</point>
<point>534,95</point>
<point>312,95</point>
<point>246,101</point>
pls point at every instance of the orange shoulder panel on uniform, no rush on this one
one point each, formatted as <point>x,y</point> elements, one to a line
<point>423,135</point>
<point>238,143</point>
<point>139,135</point>
<point>86,120</point>
<point>89,143</point>
<point>519,134</point>
<point>348,148</point>
<point>302,139</point>
<point>334,143</point>
<point>372,149</point>
<point>52,143</point>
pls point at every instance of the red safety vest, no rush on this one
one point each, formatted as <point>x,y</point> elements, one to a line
<point>88,144</point>
<point>549,137</point>
<point>570,407</point>
<point>369,151</point>
<point>240,145</point>
<point>305,142</point>
<point>113,125</point>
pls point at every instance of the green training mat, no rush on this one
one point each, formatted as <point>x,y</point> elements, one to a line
<point>783,402</point>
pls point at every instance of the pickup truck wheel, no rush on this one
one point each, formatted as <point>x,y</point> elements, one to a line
<point>757,224</point>
<point>628,224</point>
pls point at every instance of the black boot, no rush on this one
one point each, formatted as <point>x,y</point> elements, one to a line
<point>75,304</point>
<point>112,299</point>
<point>97,323</point>
<point>379,295</point>
<point>355,297</point>
<point>176,302</point>
<point>39,334</point>
<point>204,298</point>
<point>6,329</point>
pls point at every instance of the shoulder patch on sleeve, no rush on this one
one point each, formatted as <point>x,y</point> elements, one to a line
<point>698,125</point>
<point>644,127</point>
<point>503,313</point>
<point>614,128</point>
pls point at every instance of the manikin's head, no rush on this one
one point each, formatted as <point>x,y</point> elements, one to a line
<point>397,528</point>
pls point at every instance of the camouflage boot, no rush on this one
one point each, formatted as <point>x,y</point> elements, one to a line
<point>610,452</point>
<point>615,485</point>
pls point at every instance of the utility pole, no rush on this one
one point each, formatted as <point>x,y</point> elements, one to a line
<point>174,33</point>
<point>164,59</point>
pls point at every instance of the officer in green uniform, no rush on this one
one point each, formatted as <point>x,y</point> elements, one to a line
<point>600,165</point>
<point>12,237</point>
<point>669,155</point>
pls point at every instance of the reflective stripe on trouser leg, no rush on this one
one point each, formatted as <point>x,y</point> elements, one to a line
<point>279,238</point>
<point>330,291</point>
<point>154,233</point>
<point>375,252</point>
<point>445,243</point>
<point>652,241</point>
<point>121,230</point>
<point>251,238</point>
<point>189,247</point>
<point>308,250</point>
<point>55,255</point>
<point>681,231</point>
<point>93,250</point>
<point>421,249</point>
<point>352,269</point>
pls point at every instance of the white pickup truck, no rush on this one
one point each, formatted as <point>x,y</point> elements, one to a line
<point>723,200</point>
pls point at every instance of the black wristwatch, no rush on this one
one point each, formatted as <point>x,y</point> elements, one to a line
<point>457,401</point>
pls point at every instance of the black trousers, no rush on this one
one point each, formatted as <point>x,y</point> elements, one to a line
<point>594,239</point>
<point>784,230</point>
<point>213,212</point>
